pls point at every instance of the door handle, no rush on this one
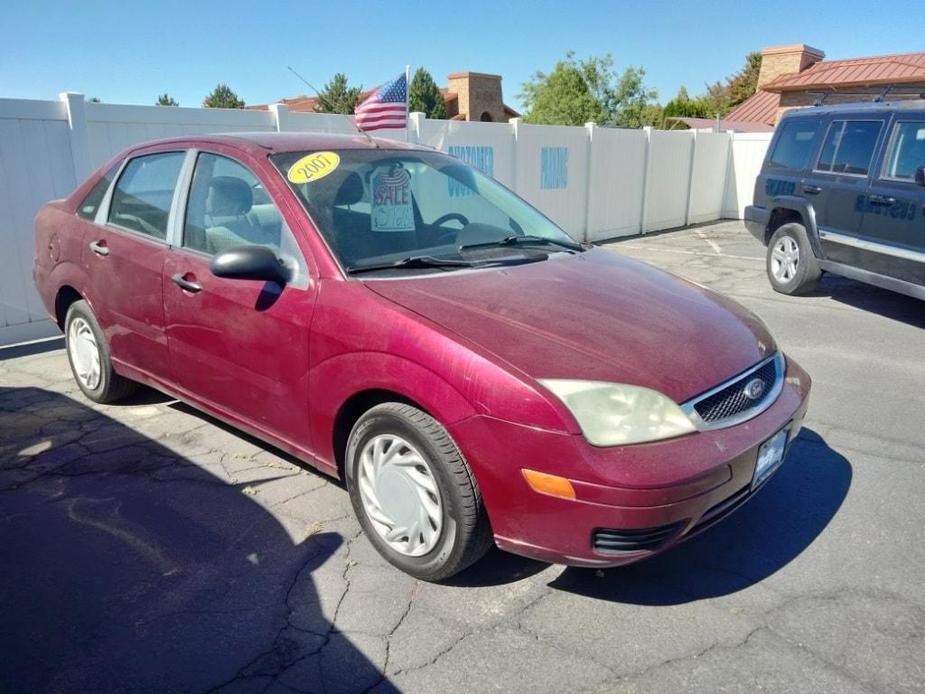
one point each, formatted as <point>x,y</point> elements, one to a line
<point>881,200</point>
<point>99,247</point>
<point>812,190</point>
<point>188,285</point>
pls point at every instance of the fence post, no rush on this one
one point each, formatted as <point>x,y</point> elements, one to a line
<point>515,131</point>
<point>415,119</point>
<point>590,127</point>
<point>280,116</point>
<point>77,133</point>
<point>643,217</point>
<point>690,179</point>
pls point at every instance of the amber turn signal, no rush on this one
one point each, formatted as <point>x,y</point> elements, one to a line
<point>553,485</point>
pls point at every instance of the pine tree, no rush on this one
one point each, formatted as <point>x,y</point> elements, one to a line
<point>424,95</point>
<point>222,97</point>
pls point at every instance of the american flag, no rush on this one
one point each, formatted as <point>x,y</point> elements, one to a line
<point>385,107</point>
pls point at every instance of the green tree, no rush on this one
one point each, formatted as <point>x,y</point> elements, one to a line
<point>337,96</point>
<point>222,97</point>
<point>682,105</point>
<point>424,95</point>
<point>166,100</point>
<point>579,91</point>
<point>722,97</point>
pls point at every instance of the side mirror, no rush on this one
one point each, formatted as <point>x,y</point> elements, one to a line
<point>249,263</point>
<point>920,175</point>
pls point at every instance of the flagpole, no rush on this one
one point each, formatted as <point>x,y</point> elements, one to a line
<point>407,101</point>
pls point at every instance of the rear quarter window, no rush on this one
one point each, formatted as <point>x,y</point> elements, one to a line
<point>795,142</point>
<point>90,204</point>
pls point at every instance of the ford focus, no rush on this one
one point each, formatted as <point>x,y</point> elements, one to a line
<point>403,322</point>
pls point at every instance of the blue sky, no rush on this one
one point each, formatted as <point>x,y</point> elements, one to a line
<point>129,52</point>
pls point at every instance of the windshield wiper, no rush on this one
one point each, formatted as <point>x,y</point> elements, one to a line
<point>414,261</point>
<point>524,240</point>
<point>428,261</point>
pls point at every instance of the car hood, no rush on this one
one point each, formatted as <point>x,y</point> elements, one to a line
<point>596,316</point>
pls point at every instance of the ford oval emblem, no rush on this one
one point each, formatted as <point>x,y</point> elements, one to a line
<point>754,389</point>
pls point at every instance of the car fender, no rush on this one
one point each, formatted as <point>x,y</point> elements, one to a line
<point>341,377</point>
<point>66,274</point>
<point>805,209</point>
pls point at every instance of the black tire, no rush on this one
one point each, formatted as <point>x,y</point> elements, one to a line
<point>111,386</point>
<point>787,239</point>
<point>465,533</point>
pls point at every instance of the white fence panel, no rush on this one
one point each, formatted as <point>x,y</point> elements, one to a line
<point>618,158</point>
<point>326,123</point>
<point>112,128</point>
<point>551,172</point>
<point>35,167</point>
<point>489,147</point>
<point>708,177</point>
<point>667,179</point>
<point>747,155</point>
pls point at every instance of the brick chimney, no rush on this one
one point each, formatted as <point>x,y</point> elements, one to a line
<point>479,95</point>
<point>786,60</point>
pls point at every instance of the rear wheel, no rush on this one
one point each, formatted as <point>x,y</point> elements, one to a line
<point>414,493</point>
<point>791,263</point>
<point>88,355</point>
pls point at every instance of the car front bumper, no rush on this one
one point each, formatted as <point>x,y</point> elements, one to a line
<point>756,221</point>
<point>660,493</point>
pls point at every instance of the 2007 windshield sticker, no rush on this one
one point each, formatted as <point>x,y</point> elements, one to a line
<point>391,192</point>
<point>313,166</point>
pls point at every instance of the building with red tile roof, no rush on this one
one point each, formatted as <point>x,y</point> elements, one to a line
<point>797,75</point>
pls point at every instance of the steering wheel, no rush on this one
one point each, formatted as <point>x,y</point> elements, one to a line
<point>449,236</point>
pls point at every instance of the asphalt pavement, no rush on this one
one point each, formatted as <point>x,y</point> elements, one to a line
<point>146,547</point>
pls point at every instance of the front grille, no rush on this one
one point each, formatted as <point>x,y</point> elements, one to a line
<point>732,400</point>
<point>612,541</point>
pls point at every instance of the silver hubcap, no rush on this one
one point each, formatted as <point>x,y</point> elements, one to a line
<point>785,257</point>
<point>400,495</point>
<point>84,353</point>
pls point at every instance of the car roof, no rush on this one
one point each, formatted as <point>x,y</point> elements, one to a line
<point>261,143</point>
<point>858,107</point>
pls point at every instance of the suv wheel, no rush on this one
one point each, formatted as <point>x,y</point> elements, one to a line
<point>791,264</point>
<point>88,355</point>
<point>414,494</point>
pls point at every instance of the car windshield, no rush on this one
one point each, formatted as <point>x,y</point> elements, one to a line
<point>409,211</point>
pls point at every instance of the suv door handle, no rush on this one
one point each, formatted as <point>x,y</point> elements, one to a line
<point>881,200</point>
<point>99,247</point>
<point>812,190</point>
<point>188,285</point>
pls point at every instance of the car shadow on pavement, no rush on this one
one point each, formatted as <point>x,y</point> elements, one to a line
<point>865,297</point>
<point>129,567</point>
<point>767,533</point>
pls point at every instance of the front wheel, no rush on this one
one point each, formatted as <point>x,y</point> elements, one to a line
<point>414,493</point>
<point>791,263</point>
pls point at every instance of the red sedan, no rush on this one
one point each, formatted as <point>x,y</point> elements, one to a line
<point>397,319</point>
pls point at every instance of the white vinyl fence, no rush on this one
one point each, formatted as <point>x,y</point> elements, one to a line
<point>597,183</point>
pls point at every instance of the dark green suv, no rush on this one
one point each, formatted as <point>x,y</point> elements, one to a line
<point>842,190</point>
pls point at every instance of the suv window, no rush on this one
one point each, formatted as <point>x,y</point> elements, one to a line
<point>907,151</point>
<point>796,141</point>
<point>849,146</point>
<point>142,197</point>
<point>87,209</point>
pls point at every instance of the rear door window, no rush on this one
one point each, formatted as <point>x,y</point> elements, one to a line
<point>142,197</point>
<point>849,147</point>
<point>796,141</point>
<point>907,151</point>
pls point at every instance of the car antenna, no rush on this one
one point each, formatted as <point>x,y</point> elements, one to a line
<point>324,101</point>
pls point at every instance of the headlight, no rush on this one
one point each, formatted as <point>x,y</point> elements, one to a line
<point>614,414</point>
